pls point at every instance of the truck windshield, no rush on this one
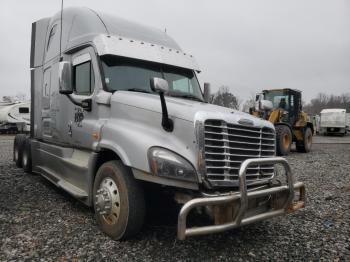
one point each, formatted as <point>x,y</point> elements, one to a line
<point>134,75</point>
<point>278,98</point>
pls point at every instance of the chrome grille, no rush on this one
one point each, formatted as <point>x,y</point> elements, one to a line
<point>227,145</point>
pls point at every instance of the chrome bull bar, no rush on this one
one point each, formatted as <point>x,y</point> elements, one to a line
<point>243,196</point>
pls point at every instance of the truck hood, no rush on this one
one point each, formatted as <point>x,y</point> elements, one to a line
<point>186,109</point>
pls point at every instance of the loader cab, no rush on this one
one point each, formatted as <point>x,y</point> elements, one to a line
<point>288,100</point>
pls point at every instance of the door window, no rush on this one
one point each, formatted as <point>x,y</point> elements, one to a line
<point>84,80</point>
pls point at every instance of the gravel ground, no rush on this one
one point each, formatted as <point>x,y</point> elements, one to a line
<point>334,139</point>
<point>40,222</point>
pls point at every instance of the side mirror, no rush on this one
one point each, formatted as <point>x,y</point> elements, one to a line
<point>266,105</point>
<point>258,98</point>
<point>206,92</point>
<point>159,85</point>
<point>65,78</point>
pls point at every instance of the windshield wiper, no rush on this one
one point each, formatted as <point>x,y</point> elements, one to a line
<point>188,97</point>
<point>138,90</point>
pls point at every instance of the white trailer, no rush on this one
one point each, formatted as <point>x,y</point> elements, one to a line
<point>5,104</point>
<point>15,117</point>
<point>333,121</point>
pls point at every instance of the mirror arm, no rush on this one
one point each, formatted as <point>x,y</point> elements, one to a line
<point>73,101</point>
<point>85,104</point>
<point>167,123</point>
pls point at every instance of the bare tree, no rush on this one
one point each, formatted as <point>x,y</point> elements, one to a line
<point>223,97</point>
<point>249,103</point>
<point>7,99</point>
<point>21,97</point>
<point>323,101</point>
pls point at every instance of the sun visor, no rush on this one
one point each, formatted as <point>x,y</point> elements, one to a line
<point>125,47</point>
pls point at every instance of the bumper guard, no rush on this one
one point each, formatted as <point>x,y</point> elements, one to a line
<point>243,197</point>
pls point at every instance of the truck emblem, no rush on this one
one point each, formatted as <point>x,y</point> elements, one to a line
<point>246,122</point>
<point>78,116</point>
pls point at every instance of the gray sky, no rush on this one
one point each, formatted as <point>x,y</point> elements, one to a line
<point>248,45</point>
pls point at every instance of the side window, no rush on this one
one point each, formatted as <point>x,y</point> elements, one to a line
<point>84,79</point>
<point>23,110</point>
<point>182,85</point>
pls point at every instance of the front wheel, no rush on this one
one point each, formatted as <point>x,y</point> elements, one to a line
<point>118,201</point>
<point>304,146</point>
<point>283,140</point>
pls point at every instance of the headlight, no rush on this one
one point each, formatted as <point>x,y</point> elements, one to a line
<point>165,163</point>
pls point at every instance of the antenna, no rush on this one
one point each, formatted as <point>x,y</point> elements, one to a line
<point>61,31</point>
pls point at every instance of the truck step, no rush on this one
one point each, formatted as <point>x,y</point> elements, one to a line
<point>65,185</point>
<point>73,190</point>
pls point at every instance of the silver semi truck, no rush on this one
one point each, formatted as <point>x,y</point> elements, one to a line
<point>117,106</point>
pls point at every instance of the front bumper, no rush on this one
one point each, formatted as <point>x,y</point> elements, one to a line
<point>241,200</point>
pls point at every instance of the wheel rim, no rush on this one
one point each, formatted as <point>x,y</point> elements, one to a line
<point>107,202</point>
<point>286,141</point>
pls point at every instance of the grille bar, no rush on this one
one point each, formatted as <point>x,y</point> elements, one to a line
<point>239,148</point>
<point>227,145</point>
<point>239,129</point>
<point>241,136</point>
<point>238,142</point>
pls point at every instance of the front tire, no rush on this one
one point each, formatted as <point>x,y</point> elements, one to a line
<point>305,145</point>
<point>118,201</point>
<point>283,140</point>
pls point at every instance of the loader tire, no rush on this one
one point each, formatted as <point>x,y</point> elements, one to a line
<point>305,145</point>
<point>18,149</point>
<point>283,140</point>
<point>118,201</point>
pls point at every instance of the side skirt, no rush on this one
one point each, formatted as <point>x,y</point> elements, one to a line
<point>68,168</point>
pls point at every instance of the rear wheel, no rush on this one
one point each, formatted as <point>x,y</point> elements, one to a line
<point>283,140</point>
<point>27,156</point>
<point>18,149</point>
<point>304,146</point>
<point>118,201</point>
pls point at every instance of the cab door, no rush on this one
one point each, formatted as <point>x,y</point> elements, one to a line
<point>83,124</point>
<point>45,109</point>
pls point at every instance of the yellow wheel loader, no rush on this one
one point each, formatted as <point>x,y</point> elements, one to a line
<point>283,108</point>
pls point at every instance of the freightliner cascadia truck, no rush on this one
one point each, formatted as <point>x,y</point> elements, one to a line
<point>116,106</point>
